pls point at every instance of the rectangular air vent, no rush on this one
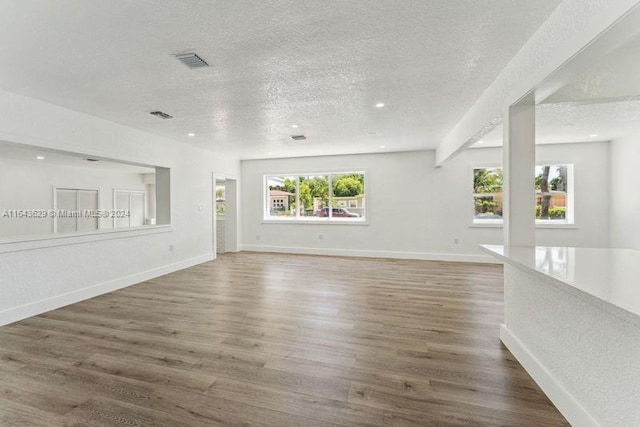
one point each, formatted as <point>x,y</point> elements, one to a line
<point>161,115</point>
<point>191,60</point>
<point>299,137</point>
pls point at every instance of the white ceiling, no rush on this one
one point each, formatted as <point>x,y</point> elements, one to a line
<point>615,76</point>
<point>322,65</point>
<point>600,104</point>
<point>26,153</point>
<point>572,122</point>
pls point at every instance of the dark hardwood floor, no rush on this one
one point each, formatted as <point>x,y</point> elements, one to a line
<point>276,340</point>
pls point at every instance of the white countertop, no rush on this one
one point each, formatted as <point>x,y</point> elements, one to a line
<point>611,276</point>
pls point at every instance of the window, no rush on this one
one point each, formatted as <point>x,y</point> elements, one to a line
<point>282,196</point>
<point>320,197</point>
<point>221,204</point>
<point>553,193</point>
<point>487,194</point>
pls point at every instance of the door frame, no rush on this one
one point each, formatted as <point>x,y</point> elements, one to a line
<point>231,213</point>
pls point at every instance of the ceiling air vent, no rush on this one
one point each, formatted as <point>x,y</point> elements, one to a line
<point>299,137</point>
<point>191,60</point>
<point>92,160</point>
<point>161,115</point>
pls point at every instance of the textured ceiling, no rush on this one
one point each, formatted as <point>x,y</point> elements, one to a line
<point>600,104</point>
<point>615,76</point>
<point>322,65</point>
<point>570,122</point>
<point>11,151</point>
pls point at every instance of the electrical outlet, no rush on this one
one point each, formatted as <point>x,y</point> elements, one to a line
<point>456,240</point>
<point>200,208</point>
<point>258,236</point>
<point>320,236</point>
<point>172,248</point>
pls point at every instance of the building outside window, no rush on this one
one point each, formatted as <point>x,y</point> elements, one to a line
<point>323,197</point>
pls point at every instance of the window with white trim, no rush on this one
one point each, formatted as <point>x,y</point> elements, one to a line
<point>553,192</point>
<point>327,197</point>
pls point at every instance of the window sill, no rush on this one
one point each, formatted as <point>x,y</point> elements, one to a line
<point>23,243</point>
<point>550,225</point>
<point>314,222</point>
<point>538,225</point>
<point>485,225</point>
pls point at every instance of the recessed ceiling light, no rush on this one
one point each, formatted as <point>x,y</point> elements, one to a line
<point>380,104</point>
<point>383,146</point>
<point>294,126</point>
<point>269,153</point>
<point>593,135</point>
<point>191,134</point>
<point>481,142</point>
<point>40,157</point>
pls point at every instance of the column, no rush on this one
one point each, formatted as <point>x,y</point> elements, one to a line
<point>519,153</point>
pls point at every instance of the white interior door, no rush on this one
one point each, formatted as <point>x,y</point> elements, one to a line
<point>65,202</point>
<point>87,200</point>
<point>73,202</point>
<point>136,205</point>
<point>121,204</point>
<point>132,202</point>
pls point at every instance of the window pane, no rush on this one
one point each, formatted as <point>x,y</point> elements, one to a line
<point>314,196</point>
<point>487,193</point>
<point>221,206</point>
<point>488,207</point>
<point>281,195</point>
<point>320,197</point>
<point>348,200</point>
<point>551,192</point>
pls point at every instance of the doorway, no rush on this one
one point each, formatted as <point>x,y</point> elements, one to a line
<point>224,214</point>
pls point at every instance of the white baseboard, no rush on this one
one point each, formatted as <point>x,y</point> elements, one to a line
<point>38,307</point>
<point>374,254</point>
<point>568,406</point>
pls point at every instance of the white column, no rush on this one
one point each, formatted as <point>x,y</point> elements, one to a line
<point>519,153</point>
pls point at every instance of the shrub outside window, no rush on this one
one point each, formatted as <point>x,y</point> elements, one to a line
<point>316,197</point>
<point>553,192</point>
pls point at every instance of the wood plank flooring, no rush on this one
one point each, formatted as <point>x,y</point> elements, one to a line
<point>276,340</point>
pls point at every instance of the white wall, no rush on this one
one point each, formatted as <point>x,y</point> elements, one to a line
<point>29,185</point>
<point>416,210</point>
<point>625,196</point>
<point>35,280</point>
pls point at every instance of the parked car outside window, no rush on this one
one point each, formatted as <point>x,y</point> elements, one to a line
<point>338,213</point>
